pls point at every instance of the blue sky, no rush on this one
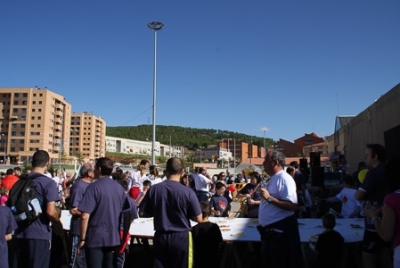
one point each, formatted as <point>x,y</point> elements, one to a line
<point>289,66</point>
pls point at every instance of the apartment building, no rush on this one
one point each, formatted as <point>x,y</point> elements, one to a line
<point>87,136</point>
<point>32,119</point>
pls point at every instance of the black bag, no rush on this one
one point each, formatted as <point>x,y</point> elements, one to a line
<point>22,200</point>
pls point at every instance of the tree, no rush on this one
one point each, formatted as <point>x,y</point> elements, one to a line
<point>79,157</point>
<point>64,157</point>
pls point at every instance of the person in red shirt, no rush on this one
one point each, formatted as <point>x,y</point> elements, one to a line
<point>9,181</point>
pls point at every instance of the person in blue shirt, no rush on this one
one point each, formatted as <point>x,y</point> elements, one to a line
<point>172,205</point>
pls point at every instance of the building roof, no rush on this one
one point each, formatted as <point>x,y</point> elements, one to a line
<point>342,121</point>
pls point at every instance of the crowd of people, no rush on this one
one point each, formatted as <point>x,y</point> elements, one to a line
<point>104,201</point>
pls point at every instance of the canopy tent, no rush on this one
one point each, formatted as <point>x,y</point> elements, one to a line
<point>247,168</point>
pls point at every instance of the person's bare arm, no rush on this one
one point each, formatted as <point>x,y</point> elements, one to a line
<point>54,215</point>
<point>360,194</point>
<point>198,218</point>
<point>384,227</point>
<point>84,223</point>
<point>52,212</point>
<point>74,211</point>
<point>8,237</point>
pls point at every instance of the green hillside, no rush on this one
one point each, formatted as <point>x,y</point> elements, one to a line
<point>191,138</point>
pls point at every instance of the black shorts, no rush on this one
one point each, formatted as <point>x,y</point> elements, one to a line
<point>372,243</point>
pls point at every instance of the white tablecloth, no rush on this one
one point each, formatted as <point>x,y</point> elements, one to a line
<point>307,227</point>
<point>247,228</point>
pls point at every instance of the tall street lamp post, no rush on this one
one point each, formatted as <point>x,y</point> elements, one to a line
<point>4,156</point>
<point>228,150</point>
<point>155,26</point>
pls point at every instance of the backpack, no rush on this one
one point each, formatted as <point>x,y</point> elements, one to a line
<point>22,200</point>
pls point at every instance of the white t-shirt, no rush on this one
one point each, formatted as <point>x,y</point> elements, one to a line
<point>349,203</point>
<point>202,183</point>
<point>137,179</point>
<point>281,186</point>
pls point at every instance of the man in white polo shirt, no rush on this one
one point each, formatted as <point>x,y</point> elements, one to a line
<point>278,225</point>
<point>202,184</point>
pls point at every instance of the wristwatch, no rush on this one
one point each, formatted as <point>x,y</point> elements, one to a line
<point>269,199</point>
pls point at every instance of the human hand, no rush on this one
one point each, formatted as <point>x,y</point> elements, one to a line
<point>371,212</point>
<point>217,213</point>
<point>264,193</point>
<point>81,244</point>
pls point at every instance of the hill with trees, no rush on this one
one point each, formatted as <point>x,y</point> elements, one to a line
<point>191,138</point>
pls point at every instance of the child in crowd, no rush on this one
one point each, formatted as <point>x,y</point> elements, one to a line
<point>218,203</point>
<point>329,244</point>
<point>185,180</point>
<point>3,196</point>
<point>139,198</point>
<point>207,240</point>
<point>351,207</point>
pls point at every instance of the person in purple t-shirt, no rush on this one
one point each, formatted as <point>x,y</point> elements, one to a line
<point>218,203</point>
<point>101,207</point>
<point>34,240</point>
<point>172,205</point>
<point>7,226</point>
<point>86,174</point>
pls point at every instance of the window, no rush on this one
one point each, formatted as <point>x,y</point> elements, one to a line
<point>14,126</point>
<point>24,102</point>
<point>22,133</point>
<point>25,95</point>
<point>32,125</point>
<point>38,125</point>
<point>12,149</point>
<point>13,141</point>
<point>39,110</point>
<point>13,133</point>
<point>15,110</point>
<point>33,102</point>
<point>33,110</point>
<point>40,102</point>
<point>34,94</point>
<point>21,148</point>
<point>23,117</point>
<point>22,125</point>
<point>39,118</point>
<point>16,95</point>
<point>40,95</point>
<point>23,110</point>
<point>32,118</point>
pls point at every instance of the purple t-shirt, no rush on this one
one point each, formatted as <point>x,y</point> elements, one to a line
<point>7,226</point>
<point>103,200</point>
<point>172,205</point>
<point>76,195</point>
<point>220,203</point>
<point>374,185</point>
<point>46,191</point>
